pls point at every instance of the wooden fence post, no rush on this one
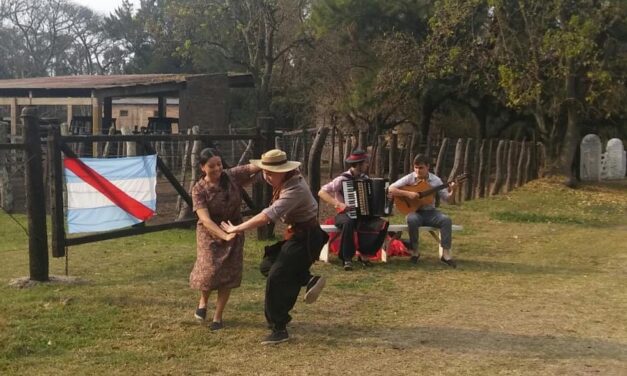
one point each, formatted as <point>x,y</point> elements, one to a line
<point>36,198</point>
<point>488,170</point>
<point>380,159</point>
<point>55,163</point>
<point>541,165</point>
<point>184,163</point>
<point>266,125</point>
<point>315,155</point>
<point>131,147</point>
<point>393,171</point>
<point>439,164</point>
<point>480,172</point>
<point>306,146</point>
<point>347,151</point>
<point>468,165</point>
<point>475,169</point>
<point>332,158</point>
<point>6,191</point>
<point>526,170</point>
<point>340,150</point>
<point>185,211</point>
<point>499,178</point>
<point>362,143</point>
<point>511,157</point>
<point>519,168</point>
<point>413,146</point>
<point>457,162</point>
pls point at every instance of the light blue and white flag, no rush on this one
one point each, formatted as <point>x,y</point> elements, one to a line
<point>109,193</point>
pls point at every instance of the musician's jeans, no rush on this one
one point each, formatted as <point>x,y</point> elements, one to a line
<point>433,218</point>
<point>287,266</point>
<point>347,241</point>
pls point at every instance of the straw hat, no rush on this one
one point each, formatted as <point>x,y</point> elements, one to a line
<point>275,160</point>
<point>356,156</point>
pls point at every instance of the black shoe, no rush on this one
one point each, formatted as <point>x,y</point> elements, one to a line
<point>449,262</point>
<point>277,336</point>
<point>348,265</point>
<point>215,325</point>
<point>365,262</point>
<point>201,314</point>
<point>414,259</point>
<point>314,287</point>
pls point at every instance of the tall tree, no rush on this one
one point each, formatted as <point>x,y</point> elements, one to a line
<point>352,36</point>
<point>250,35</point>
<point>557,60</point>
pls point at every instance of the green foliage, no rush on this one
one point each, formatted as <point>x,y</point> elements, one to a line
<point>366,20</point>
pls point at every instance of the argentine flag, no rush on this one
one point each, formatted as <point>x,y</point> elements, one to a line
<point>109,193</point>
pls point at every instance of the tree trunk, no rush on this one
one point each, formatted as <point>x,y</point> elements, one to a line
<point>572,136</point>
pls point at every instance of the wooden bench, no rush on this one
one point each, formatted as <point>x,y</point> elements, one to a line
<point>435,232</point>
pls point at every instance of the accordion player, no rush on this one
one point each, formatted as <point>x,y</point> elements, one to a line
<point>367,197</point>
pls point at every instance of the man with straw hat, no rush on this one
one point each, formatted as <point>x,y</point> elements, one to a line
<point>287,263</point>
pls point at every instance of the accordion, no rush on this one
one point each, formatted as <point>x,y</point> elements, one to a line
<point>367,197</point>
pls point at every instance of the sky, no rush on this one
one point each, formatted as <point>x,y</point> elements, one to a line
<point>104,6</point>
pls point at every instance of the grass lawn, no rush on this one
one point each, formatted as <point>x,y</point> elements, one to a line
<point>540,288</point>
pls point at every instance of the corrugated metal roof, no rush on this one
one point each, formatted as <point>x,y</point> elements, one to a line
<point>91,82</point>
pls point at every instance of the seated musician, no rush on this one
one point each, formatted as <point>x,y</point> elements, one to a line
<point>332,193</point>
<point>425,213</point>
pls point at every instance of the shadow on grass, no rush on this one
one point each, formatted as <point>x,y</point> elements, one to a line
<point>462,340</point>
<point>432,264</point>
<point>518,268</point>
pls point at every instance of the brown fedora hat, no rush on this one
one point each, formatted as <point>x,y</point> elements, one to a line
<point>275,160</point>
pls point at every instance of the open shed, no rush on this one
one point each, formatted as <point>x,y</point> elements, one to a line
<point>203,98</point>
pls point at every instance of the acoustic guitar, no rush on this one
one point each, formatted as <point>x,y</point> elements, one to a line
<point>426,195</point>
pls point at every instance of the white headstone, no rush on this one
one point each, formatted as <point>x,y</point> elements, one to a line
<point>615,163</point>
<point>590,161</point>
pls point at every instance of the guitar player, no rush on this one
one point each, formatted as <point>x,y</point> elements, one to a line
<point>424,213</point>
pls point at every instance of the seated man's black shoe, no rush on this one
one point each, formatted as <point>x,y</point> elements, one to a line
<point>365,262</point>
<point>277,336</point>
<point>414,259</point>
<point>449,262</point>
<point>348,265</point>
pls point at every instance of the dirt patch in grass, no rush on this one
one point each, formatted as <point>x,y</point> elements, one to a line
<point>26,282</point>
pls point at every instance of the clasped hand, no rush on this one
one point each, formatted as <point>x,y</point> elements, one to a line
<point>228,227</point>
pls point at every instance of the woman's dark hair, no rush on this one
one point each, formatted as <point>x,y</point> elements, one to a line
<point>205,155</point>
